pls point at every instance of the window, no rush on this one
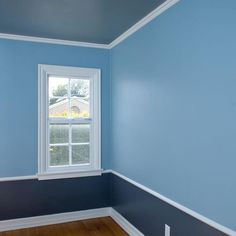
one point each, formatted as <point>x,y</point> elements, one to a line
<point>69,122</point>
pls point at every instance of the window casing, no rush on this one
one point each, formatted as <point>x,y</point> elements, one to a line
<point>69,122</point>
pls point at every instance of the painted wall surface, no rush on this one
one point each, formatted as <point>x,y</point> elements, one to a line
<point>53,196</point>
<point>19,98</point>
<point>174,107</point>
<point>149,214</point>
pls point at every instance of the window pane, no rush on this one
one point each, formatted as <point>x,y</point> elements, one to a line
<point>80,133</point>
<point>79,87</point>
<point>58,97</point>
<point>79,105</point>
<point>59,134</point>
<point>59,155</point>
<point>80,154</point>
<point>58,86</point>
<point>58,107</point>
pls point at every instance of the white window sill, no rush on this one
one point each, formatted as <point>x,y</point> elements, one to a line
<point>71,174</point>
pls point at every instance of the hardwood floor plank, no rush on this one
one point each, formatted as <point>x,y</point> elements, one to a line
<point>113,226</point>
<point>104,226</point>
<point>96,228</point>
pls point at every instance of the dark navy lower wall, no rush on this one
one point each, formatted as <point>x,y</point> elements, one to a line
<point>149,214</point>
<point>146,212</point>
<point>29,198</point>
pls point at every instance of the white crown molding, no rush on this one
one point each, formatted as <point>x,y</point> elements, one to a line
<point>53,41</point>
<point>125,224</point>
<point>177,205</point>
<point>152,15</point>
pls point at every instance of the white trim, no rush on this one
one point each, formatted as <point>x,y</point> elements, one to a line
<point>52,219</point>
<point>66,175</point>
<point>17,178</point>
<point>59,175</point>
<point>13,224</point>
<point>53,41</point>
<point>92,168</point>
<point>36,221</point>
<point>177,205</point>
<point>125,224</point>
<point>152,15</point>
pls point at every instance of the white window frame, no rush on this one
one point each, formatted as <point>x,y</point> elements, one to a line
<point>94,167</point>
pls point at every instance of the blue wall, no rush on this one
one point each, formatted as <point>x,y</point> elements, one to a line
<point>53,196</point>
<point>174,107</point>
<point>18,98</point>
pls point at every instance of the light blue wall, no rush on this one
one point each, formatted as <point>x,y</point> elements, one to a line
<point>174,107</point>
<point>18,98</point>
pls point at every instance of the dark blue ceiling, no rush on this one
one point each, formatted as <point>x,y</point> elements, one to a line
<point>94,21</point>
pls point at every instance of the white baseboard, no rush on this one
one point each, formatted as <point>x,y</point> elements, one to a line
<point>35,221</point>
<point>125,224</point>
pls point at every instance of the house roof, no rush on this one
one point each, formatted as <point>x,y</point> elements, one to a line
<point>65,100</point>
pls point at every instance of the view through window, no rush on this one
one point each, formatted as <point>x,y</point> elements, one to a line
<point>68,103</point>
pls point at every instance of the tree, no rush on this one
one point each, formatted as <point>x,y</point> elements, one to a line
<point>78,88</point>
<point>60,91</point>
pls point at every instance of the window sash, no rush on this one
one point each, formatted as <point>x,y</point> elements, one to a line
<point>69,97</point>
<point>70,120</point>
<point>94,120</point>
<point>70,143</point>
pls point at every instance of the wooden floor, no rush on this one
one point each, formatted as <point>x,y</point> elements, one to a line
<point>105,226</point>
